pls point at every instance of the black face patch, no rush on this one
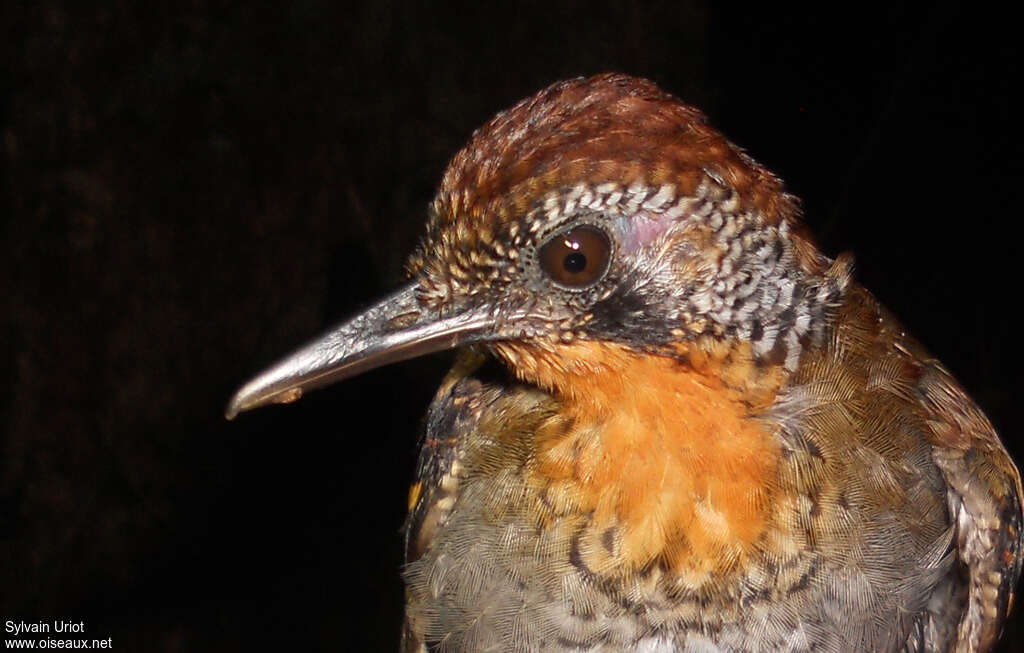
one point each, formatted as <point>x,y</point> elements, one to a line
<point>630,317</point>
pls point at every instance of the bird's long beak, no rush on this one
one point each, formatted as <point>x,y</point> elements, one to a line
<point>395,329</point>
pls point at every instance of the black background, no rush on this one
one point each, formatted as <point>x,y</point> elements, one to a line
<point>192,189</point>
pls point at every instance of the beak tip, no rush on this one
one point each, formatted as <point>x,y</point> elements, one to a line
<point>248,398</point>
<point>233,408</point>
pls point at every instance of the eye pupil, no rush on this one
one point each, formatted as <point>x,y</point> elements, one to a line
<point>575,263</point>
<point>576,257</point>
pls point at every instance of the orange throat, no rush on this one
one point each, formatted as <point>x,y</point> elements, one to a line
<point>661,456</point>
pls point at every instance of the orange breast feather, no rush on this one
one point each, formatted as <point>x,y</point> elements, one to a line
<point>663,456</point>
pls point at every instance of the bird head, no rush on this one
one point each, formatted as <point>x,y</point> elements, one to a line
<point>599,219</point>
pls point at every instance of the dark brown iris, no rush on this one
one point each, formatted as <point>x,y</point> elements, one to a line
<point>577,257</point>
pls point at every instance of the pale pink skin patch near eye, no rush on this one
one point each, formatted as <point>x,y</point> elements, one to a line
<point>641,229</point>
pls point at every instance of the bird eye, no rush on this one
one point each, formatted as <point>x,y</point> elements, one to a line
<point>577,257</point>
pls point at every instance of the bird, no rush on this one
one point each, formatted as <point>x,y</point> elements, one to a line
<point>673,423</point>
